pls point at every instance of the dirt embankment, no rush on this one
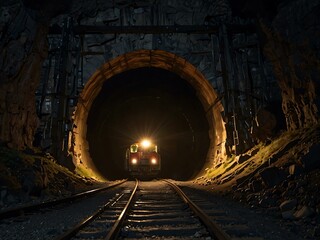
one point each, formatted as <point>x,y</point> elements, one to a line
<point>32,175</point>
<point>280,177</point>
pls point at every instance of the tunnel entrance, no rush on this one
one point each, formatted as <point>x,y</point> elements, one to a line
<point>148,103</point>
<point>148,93</point>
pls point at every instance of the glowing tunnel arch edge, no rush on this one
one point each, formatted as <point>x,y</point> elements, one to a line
<point>140,59</point>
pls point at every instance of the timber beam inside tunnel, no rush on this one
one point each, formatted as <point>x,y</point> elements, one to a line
<point>141,59</point>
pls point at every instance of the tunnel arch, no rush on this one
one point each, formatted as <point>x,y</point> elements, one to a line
<point>141,59</point>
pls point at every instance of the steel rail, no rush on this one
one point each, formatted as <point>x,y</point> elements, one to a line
<point>113,233</point>
<point>73,231</point>
<point>34,207</point>
<point>212,227</point>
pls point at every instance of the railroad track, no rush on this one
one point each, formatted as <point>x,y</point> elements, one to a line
<point>150,210</point>
<point>233,225</point>
<point>30,208</point>
<point>145,210</point>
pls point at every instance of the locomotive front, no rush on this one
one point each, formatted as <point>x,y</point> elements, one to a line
<point>143,159</point>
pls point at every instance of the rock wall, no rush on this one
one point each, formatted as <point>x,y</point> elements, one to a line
<point>293,48</point>
<point>195,48</point>
<point>23,48</point>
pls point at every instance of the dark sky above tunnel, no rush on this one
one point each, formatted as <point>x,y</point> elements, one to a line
<point>153,103</point>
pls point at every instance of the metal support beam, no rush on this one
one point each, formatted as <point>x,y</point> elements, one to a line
<point>188,29</point>
<point>59,137</point>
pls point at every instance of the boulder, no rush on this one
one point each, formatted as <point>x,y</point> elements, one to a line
<point>304,212</point>
<point>288,215</point>
<point>288,205</point>
<point>272,176</point>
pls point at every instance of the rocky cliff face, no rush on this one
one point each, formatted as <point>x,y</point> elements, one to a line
<point>293,49</point>
<point>23,47</point>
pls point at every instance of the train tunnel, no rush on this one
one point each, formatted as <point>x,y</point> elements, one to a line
<point>147,94</point>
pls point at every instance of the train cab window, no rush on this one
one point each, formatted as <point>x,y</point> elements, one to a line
<point>152,148</point>
<point>134,148</point>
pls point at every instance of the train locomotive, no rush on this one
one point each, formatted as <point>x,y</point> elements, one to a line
<point>143,159</point>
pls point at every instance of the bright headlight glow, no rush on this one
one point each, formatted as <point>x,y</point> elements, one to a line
<point>145,143</point>
<point>154,161</point>
<point>134,161</point>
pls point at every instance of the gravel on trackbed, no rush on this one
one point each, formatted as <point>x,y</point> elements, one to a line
<point>53,222</point>
<point>262,223</point>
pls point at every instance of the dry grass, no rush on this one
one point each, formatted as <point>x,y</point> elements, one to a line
<point>289,146</point>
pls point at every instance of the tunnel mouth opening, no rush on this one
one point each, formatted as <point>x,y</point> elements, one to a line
<point>148,103</point>
<point>81,147</point>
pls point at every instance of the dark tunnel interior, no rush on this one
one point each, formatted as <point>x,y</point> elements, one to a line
<point>148,103</point>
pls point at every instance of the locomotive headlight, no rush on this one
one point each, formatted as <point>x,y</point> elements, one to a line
<point>145,143</point>
<point>153,161</point>
<point>134,161</point>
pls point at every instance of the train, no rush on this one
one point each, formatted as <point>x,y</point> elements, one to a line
<point>143,159</point>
